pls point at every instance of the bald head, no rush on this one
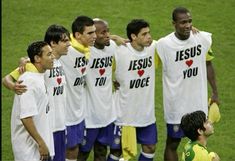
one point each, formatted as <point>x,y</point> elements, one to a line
<point>100,21</point>
<point>102,33</point>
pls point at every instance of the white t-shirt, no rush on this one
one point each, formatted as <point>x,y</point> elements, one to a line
<point>135,71</point>
<point>100,111</point>
<point>75,66</point>
<point>33,103</point>
<point>184,74</point>
<point>55,82</point>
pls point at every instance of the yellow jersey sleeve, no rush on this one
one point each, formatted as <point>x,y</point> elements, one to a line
<point>28,67</point>
<point>113,65</point>
<point>209,55</point>
<point>157,60</point>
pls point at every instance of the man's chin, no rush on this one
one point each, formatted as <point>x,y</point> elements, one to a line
<point>107,44</point>
<point>186,33</point>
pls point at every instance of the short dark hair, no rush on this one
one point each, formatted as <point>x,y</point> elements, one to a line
<point>191,122</point>
<point>135,26</point>
<point>55,33</point>
<point>35,48</point>
<point>79,24</point>
<point>178,10</point>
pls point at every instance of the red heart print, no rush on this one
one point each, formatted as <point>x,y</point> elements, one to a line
<point>140,72</point>
<point>189,62</point>
<point>102,71</point>
<point>83,70</point>
<point>59,80</point>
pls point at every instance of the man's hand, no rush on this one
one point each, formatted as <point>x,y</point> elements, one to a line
<point>215,156</point>
<point>195,30</point>
<point>43,150</point>
<point>19,88</point>
<point>119,40</point>
<point>22,62</point>
<point>214,99</point>
<point>116,85</point>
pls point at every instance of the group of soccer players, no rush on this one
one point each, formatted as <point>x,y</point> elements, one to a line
<point>82,110</point>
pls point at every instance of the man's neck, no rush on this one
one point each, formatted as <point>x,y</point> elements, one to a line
<point>56,54</point>
<point>99,46</point>
<point>181,37</point>
<point>39,68</point>
<point>202,140</point>
<point>136,46</point>
<point>80,42</point>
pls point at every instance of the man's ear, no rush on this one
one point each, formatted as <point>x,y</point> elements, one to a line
<point>78,35</point>
<point>133,36</point>
<point>173,23</point>
<point>52,44</point>
<point>200,131</point>
<point>37,59</point>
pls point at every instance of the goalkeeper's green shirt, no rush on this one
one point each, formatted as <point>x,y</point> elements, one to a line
<point>193,151</point>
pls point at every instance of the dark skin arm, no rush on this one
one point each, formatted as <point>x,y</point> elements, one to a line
<point>16,86</point>
<point>212,81</point>
<point>30,127</point>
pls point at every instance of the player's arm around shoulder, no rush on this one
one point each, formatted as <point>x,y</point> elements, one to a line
<point>15,85</point>
<point>119,40</point>
<point>11,81</point>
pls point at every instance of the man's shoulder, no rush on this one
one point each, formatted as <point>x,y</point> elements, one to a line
<point>203,35</point>
<point>166,36</point>
<point>31,77</point>
<point>165,39</point>
<point>123,47</point>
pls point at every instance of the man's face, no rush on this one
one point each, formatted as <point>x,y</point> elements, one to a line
<point>144,37</point>
<point>88,36</point>
<point>209,128</point>
<point>62,46</point>
<point>183,25</point>
<point>102,33</point>
<point>46,59</point>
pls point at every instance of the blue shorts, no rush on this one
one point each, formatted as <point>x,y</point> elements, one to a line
<point>75,134</point>
<point>59,145</point>
<point>144,135</point>
<point>102,135</point>
<point>174,131</point>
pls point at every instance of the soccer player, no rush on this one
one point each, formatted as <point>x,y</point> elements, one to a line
<point>100,112</point>
<point>134,100</point>
<point>31,133</point>
<point>186,67</point>
<point>75,66</point>
<point>197,128</point>
<point>58,39</point>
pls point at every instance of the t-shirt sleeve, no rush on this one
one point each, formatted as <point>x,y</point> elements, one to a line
<point>15,74</point>
<point>28,104</point>
<point>160,53</point>
<point>157,60</point>
<point>28,67</point>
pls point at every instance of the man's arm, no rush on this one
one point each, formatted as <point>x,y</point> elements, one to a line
<point>11,81</point>
<point>16,86</point>
<point>119,40</point>
<point>30,127</point>
<point>212,81</point>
